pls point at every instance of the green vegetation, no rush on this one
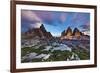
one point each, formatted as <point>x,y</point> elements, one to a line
<point>82,53</point>
<point>37,60</point>
<point>27,50</point>
<point>55,55</point>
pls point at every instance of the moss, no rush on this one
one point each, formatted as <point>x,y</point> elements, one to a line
<point>25,60</point>
<point>82,53</point>
<point>24,51</point>
<point>56,55</point>
<point>36,60</point>
<point>42,47</point>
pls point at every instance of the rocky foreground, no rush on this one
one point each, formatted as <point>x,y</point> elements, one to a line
<point>39,50</point>
<point>38,45</point>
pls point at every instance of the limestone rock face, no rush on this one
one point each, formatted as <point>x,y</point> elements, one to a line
<point>69,34</point>
<point>37,32</point>
<point>76,32</point>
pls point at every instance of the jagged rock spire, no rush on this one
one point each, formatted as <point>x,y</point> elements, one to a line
<point>43,28</point>
<point>68,32</point>
<point>76,32</point>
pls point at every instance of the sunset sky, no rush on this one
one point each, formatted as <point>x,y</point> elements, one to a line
<point>54,21</point>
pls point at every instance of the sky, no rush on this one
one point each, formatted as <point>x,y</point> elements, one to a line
<point>55,21</point>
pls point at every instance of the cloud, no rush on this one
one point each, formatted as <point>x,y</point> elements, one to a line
<point>86,32</point>
<point>86,27</point>
<point>76,18</point>
<point>80,20</point>
<point>36,25</point>
<point>51,18</point>
<point>47,17</point>
<point>29,15</point>
<point>62,18</point>
<point>30,19</point>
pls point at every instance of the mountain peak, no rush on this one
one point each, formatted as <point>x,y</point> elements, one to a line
<point>69,34</point>
<point>76,32</point>
<point>40,32</point>
<point>43,28</point>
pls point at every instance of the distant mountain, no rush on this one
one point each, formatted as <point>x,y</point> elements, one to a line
<point>76,34</point>
<point>43,28</point>
<point>45,33</point>
<point>67,32</point>
<point>37,32</point>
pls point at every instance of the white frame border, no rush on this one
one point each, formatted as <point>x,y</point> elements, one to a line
<point>20,65</point>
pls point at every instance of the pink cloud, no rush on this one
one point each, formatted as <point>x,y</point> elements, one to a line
<point>31,16</point>
<point>63,17</point>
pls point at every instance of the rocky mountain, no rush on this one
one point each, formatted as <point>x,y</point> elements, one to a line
<point>75,34</point>
<point>45,33</point>
<point>37,32</point>
<point>67,32</point>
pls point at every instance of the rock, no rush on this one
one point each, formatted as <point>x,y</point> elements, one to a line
<point>75,35</point>
<point>43,28</point>
<point>77,32</point>
<point>36,32</point>
<point>47,56</point>
<point>67,34</point>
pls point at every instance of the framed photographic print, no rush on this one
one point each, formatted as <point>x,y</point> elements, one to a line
<point>52,36</point>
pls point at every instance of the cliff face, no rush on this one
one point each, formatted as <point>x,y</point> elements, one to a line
<point>77,32</point>
<point>45,33</point>
<point>69,34</point>
<point>37,32</point>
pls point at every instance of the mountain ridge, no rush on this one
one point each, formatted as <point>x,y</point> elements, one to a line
<point>76,34</point>
<point>37,32</point>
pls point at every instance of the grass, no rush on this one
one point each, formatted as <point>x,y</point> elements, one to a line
<point>82,53</point>
<point>26,50</point>
<point>56,55</point>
